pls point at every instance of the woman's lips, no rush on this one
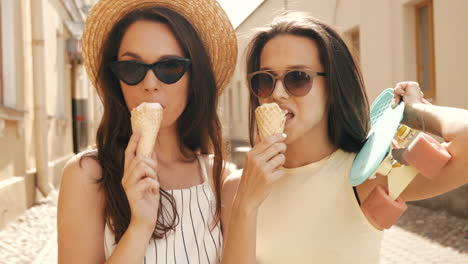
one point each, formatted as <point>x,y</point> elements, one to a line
<point>289,113</point>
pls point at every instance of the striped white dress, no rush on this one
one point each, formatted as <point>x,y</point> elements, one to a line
<point>193,241</point>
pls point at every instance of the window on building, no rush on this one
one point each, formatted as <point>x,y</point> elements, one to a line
<point>425,47</point>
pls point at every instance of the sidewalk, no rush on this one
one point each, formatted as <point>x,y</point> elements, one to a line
<point>422,236</point>
<point>23,240</point>
<point>400,246</point>
<point>48,254</point>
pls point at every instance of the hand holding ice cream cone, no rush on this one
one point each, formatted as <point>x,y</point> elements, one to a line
<point>262,166</point>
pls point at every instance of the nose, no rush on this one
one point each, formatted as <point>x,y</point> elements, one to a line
<point>279,91</point>
<point>151,82</point>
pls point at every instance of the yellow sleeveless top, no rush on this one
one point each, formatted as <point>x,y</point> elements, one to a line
<point>312,216</point>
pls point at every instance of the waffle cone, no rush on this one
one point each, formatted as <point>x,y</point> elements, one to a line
<point>270,120</point>
<point>147,119</point>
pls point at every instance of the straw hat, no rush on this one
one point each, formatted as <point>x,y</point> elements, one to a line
<point>206,16</point>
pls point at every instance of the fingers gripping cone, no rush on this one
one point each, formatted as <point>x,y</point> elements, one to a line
<point>270,120</point>
<point>147,119</point>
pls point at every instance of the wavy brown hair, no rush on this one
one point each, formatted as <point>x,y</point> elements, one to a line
<point>198,127</point>
<point>347,103</point>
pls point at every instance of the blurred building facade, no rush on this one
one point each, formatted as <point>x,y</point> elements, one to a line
<point>395,40</point>
<point>48,108</point>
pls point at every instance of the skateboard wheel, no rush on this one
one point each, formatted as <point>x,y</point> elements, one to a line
<point>381,211</point>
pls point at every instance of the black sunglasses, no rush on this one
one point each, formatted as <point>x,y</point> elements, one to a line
<point>296,82</point>
<point>168,71</point>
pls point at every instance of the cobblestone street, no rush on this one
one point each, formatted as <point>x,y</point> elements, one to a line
<point>24,239</point>
<point>422,236</point>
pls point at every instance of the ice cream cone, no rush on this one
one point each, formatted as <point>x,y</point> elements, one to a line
<point>270,120</point>
<point>147,119</point>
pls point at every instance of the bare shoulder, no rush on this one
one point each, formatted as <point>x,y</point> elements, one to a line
<point>83,167</point>
<point>80,187</point>
<point>80,212</point>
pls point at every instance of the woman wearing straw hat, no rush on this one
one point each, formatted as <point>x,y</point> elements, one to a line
<point>116,206</point>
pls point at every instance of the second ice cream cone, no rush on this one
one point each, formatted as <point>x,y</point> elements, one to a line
<point>270,120</point>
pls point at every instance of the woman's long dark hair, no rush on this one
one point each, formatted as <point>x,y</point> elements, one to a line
<point>198,127</point>
<point>347,103</point>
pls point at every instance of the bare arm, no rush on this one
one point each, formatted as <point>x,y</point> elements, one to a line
<point>80,218</point>
<point>452,125</point>
<point>242,196</point>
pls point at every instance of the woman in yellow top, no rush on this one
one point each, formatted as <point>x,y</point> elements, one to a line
<point>307,212</point>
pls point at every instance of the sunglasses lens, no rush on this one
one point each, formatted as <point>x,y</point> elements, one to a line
<point>261,84</point>
<point>129,72</point>
<point>170,71</point>
<point>298,83</point>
